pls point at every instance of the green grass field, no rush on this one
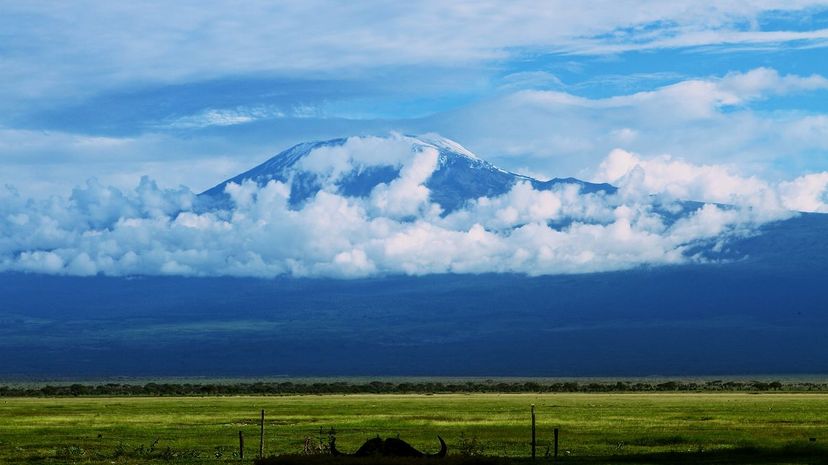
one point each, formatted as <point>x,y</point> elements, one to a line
<point>205,429</point>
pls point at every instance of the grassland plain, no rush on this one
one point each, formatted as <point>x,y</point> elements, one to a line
<point>201,430</point>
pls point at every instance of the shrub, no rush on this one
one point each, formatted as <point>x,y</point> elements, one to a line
<point>323,444</point>
<point>470,447</point>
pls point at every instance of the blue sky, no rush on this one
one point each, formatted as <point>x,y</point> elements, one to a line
<point>195,92</point>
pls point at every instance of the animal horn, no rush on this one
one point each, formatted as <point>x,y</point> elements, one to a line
<point>443,449</point>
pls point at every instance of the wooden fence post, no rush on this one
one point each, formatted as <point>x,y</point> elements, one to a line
<point>533,432</point>
<point>261,438</point>
<point>556,444</point>
<point>241,445</point>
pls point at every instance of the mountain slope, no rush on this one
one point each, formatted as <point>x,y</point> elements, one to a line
<point>458,178</point>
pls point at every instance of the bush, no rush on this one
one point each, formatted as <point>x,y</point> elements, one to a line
<point>323,444</point>
<point>470,447</point>
<point>70,452</point>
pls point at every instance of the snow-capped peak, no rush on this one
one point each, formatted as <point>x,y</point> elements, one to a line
<point>440,142</point>
<point>355,166</point>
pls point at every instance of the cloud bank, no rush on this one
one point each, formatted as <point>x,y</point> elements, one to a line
<point>679,179</point>
<point>397,229</point>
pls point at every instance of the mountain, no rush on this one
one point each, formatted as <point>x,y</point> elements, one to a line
<point>359,167</point>
<point>459,177</point>
<point>757,308</point>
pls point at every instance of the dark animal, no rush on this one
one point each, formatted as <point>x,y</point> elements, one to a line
<point>390,447</point>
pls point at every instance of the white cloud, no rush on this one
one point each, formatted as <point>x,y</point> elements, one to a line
<point>679,179</point>
<point>224,117</point>
<point>706,121</point>
<point>762,82</point>
<point>696,98</point>
<point>806,193</point>
<point>149,230</point>
<point>334,161</point>
<point>406,195</point>
<point>687,37</point>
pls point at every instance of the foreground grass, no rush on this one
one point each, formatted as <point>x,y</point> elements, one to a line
<point>205,430</point>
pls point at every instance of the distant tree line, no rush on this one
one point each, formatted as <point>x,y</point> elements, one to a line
<point>381,387</point>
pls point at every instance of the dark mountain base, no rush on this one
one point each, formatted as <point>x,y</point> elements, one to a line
<point>742,318</point>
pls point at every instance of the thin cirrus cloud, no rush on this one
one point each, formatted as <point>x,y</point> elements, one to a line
<point>395,229</point>
<point>699,38</point>
<point>224,117</point>
<point>93,45</point>
<point>710,120</point>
